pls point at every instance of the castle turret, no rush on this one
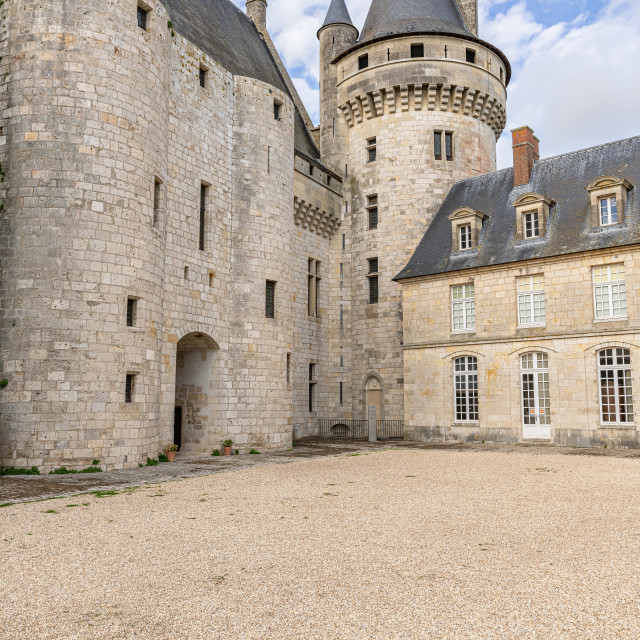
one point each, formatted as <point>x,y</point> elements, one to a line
<point>423,101</point>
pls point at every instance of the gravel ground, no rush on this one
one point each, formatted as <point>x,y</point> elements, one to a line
<point>389,544</point>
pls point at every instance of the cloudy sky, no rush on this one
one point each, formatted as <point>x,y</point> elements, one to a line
<point>576,64</point>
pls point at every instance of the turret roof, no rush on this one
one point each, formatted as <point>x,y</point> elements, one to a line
<point>337,14</point>
<point>394,17</point>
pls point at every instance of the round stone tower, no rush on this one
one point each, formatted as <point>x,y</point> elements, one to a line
<point>423,101</point>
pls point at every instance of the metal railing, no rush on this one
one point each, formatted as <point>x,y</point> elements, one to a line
<point>359,429</point>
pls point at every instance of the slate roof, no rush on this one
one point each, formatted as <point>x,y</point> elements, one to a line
<point>228,36</point>
<point>393,17</point>
<point>337,14</point>
<point>562,178</point>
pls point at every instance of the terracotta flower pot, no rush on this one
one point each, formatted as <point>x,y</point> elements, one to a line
<point>227,451</point>
<point>171,455</point>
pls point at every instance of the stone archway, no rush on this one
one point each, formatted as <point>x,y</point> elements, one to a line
<point>196,398</point>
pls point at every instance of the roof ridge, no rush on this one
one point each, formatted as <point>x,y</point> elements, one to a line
<point>595,146</point>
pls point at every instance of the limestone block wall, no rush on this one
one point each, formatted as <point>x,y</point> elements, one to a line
<point>401,102</point>
<point>571,338</point>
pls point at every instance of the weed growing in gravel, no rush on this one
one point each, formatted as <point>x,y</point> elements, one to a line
<point>62,471</point>
<point>6,504</point>
<point>215,452</point>
<point>152,462</point>
<point>13,471</point>
<point>102,494</point>
<point>73,505</point>
<point>162,457</point>
<point>50,511</point>
<point>254,452</point>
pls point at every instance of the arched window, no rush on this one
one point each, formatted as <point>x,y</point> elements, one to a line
<point>616,392</point>
<point>536,401</point>
<point>465,371</point>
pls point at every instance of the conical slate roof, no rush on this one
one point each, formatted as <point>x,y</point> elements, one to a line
<point>393,17</point>
<point>337,14</point>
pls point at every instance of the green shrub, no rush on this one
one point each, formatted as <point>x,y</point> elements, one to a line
<point>237,452</point>
<point>3,383</point>
<point>227,443</point>
<point>152,462</point>
<point>95,463</point>
<point>63,471</point>
<point>215,452</point>
<point>255,452</point>
<point>162,457</point>
<point>13,471</point>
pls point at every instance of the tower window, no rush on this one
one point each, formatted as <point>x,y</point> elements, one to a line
<point>129,387</point>
<point>417,51</point>
<point>288,368</point>
<point>373,280</point>
<point>437,145</point>
<point>502,74</point>
<point>448,146</point>
<point>132,312</point>
<point>471,56</point>
<point>363,61</point>
<point>156,201</point>
<point>270,299</point>
<point>313,287</point>
<point>204,192</point>
<point>341,393</point>
<point>277,109</point>
<point>372,208</point>
<point>312,385</point>
<point>203,77</point>
<point>143,15</point>
<point>371,150</point>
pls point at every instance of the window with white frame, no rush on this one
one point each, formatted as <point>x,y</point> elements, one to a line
<point>531,301</point>
<point>465,371</point>
<point>608,211</point>
<point>616,392</point>
<point>463,307</point>
<point>531,224</point>
<point>464,237</point>
<point>609,291</point>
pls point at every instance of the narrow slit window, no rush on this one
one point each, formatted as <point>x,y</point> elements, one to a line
<point>277,110</point>
<point>132,312</point>
<point>341,315</point>
<point>471,56</point>
<point>157,194</point>
<point>270,299</point>
<point>437,145</point>
<point>203,77</point>
<point>417,51</point>
<point>288,368</point>
<point>313,287</point>
<point>341,393</point>
<point>204,192</point>
<point>373,281</point>
<point>186,273</point>
<point>363,61</point>
<point>143,16</point>
<point>344,241</point>
<point>372,209</point>
<point>448,146</point>
<point>501,74</point>
<point>341,274</point>
<point>129,387</point>
<point>312,386</point>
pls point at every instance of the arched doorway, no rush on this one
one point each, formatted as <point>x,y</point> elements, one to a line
<point>196,399</point>
<point>374,396</point>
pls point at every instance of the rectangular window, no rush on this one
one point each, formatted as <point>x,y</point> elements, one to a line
<point>341,395</point>
<point>270,300</point>
<point>373,290</point>
<point>373,265</point>
<point>448,146</point>
<point>142,18</point>
<point>344,240</point>
<point>341,315</point>
<point>277,107</point>
<point>610,291</point>
<point>186,273</point>
<point>129,387</point>
<point>466,389</point>
<point>531,301</point>
<point>132,312</point>
<point>417,51</point>
<point>341,358</point>
<point>464,237</point>
<point>463,307</point>
<point>341,274</point>
<point>371,150</point>
<point>471,56</point>
<point>616,391</point>
<point>312,386</point>
<point>157,193</point>
<point>288,368</point>
<point>203,77</point>
<point>363,61</point>
<point>437,144</point>
<point>372,208</point>
<point>531,225</point>
<point>313,287</point>
<point>608,211</point>
<point>204,192</point>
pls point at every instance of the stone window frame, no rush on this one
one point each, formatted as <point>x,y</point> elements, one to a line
<point>608,187</point>
<point>203,76</point>
<point>442,145</point>
<point>147,9</point>
<point>530,289</point>
<point>373,211</point>
<point>464,307</point>
<point>619,364</point>
<point>372,149</point>
<point>532,203</point>
<point>616,290</point>
<point>313,287</point>
<point>463,217</point>
<point>464,373</point>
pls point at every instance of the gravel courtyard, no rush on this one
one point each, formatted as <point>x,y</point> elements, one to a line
<point>389,544</point>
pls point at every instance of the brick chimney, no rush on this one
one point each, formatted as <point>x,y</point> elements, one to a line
<point>526,151</point>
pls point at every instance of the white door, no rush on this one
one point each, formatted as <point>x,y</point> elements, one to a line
<point>536,403</point>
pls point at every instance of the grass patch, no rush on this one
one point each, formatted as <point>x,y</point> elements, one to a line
<point>16,471</point>
<point>50,511</point>
<point>63,471</point>
<point>6,504</point>
<point>102,494</point>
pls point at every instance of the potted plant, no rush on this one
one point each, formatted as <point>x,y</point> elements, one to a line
<point>227,447</point>
<point>171,452</point>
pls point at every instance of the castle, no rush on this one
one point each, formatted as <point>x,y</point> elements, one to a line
<point>185,257</point>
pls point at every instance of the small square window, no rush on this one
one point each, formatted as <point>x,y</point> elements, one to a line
<point>203,77</point>
<point>363,61</point>
<point>143,15</point>
<point>129,387</point>
<point>132,312</point>
<point>471,56</point>
<point>417,51</point>
<point>277,109</point>
<point>464,237</point>
<point>608,211</point>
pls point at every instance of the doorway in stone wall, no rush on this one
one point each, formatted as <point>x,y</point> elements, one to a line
<point>373,395</point>
<point>196,392</point>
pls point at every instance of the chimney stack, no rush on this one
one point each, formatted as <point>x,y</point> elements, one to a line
<point>257,11</point>
<point>526,151</point>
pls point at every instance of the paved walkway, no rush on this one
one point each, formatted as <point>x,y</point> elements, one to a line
<point>28,488</point>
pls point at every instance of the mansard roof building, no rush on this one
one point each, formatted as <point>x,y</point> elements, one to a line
<point>186,257</point>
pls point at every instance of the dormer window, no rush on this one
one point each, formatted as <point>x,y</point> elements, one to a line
<point>532,216</point>
<point>466,227</point>
<point>608,211</point>
<point>531,224</point>
<point>464,237</point>
<point>608,200</point>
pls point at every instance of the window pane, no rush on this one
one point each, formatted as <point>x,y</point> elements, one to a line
<point>437,143</point>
